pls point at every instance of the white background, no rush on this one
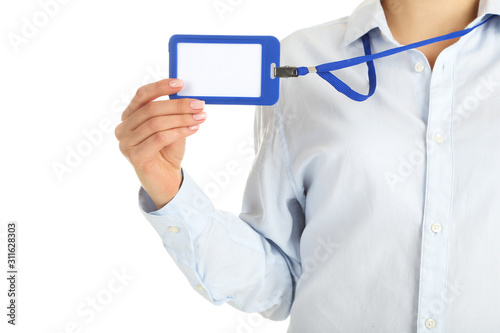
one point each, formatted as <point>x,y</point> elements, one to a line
<point>77,231</point>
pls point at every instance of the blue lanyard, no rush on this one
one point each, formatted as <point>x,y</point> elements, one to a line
<point>324,70</point>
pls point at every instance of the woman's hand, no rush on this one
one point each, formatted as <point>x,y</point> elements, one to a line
<point>153,134</point>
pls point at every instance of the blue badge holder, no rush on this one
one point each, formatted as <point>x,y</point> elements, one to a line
<point>269,60</point>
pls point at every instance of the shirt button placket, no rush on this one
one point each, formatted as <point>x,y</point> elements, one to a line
<point>439,170</point>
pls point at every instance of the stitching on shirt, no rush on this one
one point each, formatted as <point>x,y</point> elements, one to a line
<point>459,48</point>
<point>424,217</point>
<point>286,157</point>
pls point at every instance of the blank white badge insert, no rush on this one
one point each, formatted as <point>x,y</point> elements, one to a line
<point>231,70</point>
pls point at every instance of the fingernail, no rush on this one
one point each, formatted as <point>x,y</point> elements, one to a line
<point>197,105</point>
<point>192,128</point>
<point>199,116</point>
<point>175,83</point>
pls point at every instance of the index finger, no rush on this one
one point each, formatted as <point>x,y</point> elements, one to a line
<point>150,92</point>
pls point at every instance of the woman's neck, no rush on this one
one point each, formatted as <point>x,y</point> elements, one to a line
<point>414,20</point>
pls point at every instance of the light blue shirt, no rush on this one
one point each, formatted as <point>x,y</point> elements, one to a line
<point>379,216</point>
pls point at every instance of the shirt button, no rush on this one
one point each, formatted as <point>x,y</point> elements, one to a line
<point>419,68</point>
<point>430,323</point>
<point>436,227</point>
<point>173,229</point>
<point>438,138</point>
<point>200,287</point>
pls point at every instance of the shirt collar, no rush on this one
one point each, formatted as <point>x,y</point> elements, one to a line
<point>488,7</point>
<point>370,14</point>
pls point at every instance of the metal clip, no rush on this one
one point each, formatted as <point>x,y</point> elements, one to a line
<point>286,71</point>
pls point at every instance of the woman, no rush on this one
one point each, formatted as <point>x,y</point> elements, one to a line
<point>380,216</point>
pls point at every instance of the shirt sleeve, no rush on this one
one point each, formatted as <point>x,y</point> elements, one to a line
<point>250,261</point>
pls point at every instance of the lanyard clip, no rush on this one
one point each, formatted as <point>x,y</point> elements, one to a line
<point>286,71</point>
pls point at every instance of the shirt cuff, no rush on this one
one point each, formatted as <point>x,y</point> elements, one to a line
<point>148,206</point>
<point>190,208</point>
<point>179,223</point>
